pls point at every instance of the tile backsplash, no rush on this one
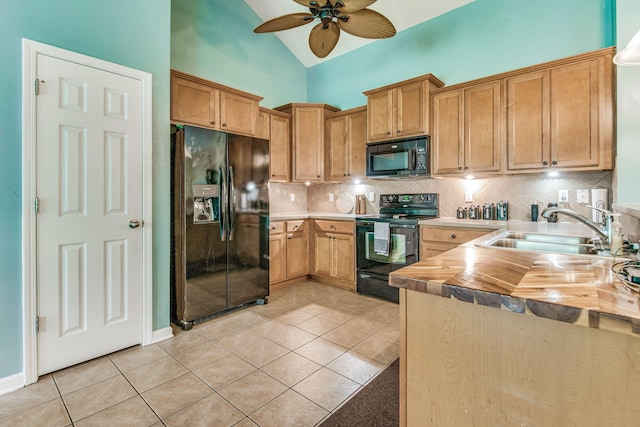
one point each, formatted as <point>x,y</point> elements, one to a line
<point>521,191</point>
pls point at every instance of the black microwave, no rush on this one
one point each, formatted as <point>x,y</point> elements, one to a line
<point>402,158</point>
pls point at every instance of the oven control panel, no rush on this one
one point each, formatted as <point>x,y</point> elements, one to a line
<point>421,199</point>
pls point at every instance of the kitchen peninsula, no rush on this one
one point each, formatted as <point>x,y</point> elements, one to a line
<point>506,337</point>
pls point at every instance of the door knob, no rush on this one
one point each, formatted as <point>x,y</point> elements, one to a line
<point>134,223</point>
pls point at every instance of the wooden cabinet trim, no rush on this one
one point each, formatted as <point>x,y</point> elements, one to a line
<point>433,80</point>
<point>209,83</point>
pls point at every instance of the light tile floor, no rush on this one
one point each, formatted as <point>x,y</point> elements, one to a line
<point>288,363</point>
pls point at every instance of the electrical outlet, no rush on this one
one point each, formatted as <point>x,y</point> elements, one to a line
<point>372,197</point>
<point>563,196</point>
<point>293,197</point>
<point>468,196</point>
<point>582,196</point>
<point>331,197</point>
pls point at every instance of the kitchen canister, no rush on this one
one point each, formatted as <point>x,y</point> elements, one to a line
<point>488,211</point>
<point>502,210</point>
<point>461,213</point>
<point>474,212</point>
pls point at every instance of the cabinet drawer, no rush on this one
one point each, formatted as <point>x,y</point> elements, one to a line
<point>297,225</point>
<point>450,234</point>
<point>334,226</point>
<point>276,227</point>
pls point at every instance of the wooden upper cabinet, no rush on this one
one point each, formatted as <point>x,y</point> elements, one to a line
<point>345,150</point>
<point>561,116</point>
<point>203,103</point>
<point>280,147</point>
<point>467,129</point>
<point>263,124</point>
<point>307,139</point>
<point>401,109</point>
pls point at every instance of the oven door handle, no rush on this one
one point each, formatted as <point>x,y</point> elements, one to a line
<point>414,159</point>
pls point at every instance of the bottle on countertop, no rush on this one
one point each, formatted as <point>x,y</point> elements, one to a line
<point>615,237</point>
<point>361,205</point>
<point>474,212</point>
<point>502,210</point>
<point>534,212</point>
<point>461,213</point>
<point>488,211</point>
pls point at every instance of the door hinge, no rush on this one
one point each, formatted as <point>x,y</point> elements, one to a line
<point>36,205</point>
<point>37,324</point>
<point>37,87</point>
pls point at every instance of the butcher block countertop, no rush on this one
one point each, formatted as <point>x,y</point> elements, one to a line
<point>576,289</point>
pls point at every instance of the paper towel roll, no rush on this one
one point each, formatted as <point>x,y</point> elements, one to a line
<point>599,200</point>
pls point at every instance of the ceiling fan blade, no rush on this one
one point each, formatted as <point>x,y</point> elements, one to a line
<point>284,22</point>
<point>322,41</point>
<point>351,6</point>
<point>369,24</point>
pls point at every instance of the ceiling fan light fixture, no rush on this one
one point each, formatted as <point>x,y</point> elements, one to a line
<point>630,55</point>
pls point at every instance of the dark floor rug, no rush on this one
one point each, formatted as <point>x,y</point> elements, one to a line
<point>376,405</point>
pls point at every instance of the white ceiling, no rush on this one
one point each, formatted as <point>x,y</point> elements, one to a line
<point>402,13</point>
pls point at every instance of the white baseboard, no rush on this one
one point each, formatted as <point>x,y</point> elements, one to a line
<point>161,335</point>
<point>11,383</point>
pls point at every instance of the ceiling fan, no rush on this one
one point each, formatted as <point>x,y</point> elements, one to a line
<point>351,16</point>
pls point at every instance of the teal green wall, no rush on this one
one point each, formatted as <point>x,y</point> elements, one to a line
<point>628,113</point>
<point>214,39</point>
<point>482,38</point>
<point>132,33</point>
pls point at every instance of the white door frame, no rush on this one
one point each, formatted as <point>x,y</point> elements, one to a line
<point>30,49</point>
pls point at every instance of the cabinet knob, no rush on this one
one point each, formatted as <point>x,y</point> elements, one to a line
<point>459,168</point>
<point>213,122</point>
<point>554,163</point>
<point>224,125</point>
<point>466,167</point>
<point>545,163</point>
<point>318,176</point>
<point>388,133</point>
<point>348,174</point>
<point>399,131</point>
<point>344,174</point>
<point>453,236</point>
<point>289,236</point>
<point>273,174</point>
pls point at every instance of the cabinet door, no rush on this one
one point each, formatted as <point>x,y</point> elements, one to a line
<point>411,107</point>
<point>194,103</point>
<point>308,144</point>
<point>483,128</point>
<point>379,116</point>
<point>358,144</point>
<point>528,121</point>
<point>277,258</point>
<point>337,148</point>
<point>322,254</point>
<point>238,114</point>
<point>448,133</point>
<point>344,257</point>
<point>574,107</point>
<point>297,254</point>
<point>263,125</point>
<point>279,148</point>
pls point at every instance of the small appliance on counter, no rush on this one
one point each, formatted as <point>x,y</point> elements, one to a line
<point>474,212</point>
<point>461,213</point>
<point>488,211</point>
<point>502,210</point>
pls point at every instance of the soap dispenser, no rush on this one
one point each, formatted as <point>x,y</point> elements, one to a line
<point>615,236</point>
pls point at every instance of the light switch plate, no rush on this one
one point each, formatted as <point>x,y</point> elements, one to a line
<point>468,196</point>
<point>582,196</point>
<point>372,197</point>
<point>331,197</point>
<point>293,197</point>
<point>563,196</point>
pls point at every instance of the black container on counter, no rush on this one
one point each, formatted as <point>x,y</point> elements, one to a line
<point>534,212</point>
<point>488,211</point>
<point>461,213</point>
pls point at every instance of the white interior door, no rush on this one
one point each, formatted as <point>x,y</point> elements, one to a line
<point>89,187</point>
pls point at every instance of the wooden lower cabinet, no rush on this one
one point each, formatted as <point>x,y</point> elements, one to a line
<point>436,240</point>
<point>333,253</point>
<point>288,251</point>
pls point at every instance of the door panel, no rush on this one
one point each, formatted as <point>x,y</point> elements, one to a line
<point>89,184</point>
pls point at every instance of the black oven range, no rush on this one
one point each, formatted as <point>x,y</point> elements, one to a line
<point>390,241</point>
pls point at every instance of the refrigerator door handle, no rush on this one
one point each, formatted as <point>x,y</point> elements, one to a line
<point>232,205</point>
<point>223,204</point>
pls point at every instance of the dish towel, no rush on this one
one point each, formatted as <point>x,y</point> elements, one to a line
<point>381,238</point>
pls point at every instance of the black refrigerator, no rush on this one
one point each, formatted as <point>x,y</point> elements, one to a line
<point>220,223</point>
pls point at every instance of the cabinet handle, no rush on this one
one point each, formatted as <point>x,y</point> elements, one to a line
<point>344,174</point>
<point>348,174</point>
<point>554,163</point>
<point>273,174</point>
<point>399,131</point>
<point>213,122</point>
<point>289,236</point>
<point>466,167</point>
<point>224,125</point>
<point>318,176</point>
<point>459,168</point>
<point>388,133</point>
<point>453,236</point>
<point>545,163</point>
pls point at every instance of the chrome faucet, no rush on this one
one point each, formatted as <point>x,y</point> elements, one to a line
<point>603,230</point>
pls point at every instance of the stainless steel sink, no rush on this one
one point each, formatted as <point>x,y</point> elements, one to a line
<point>578,245</point>
<point>532,245</point>
<point>549,238</point>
